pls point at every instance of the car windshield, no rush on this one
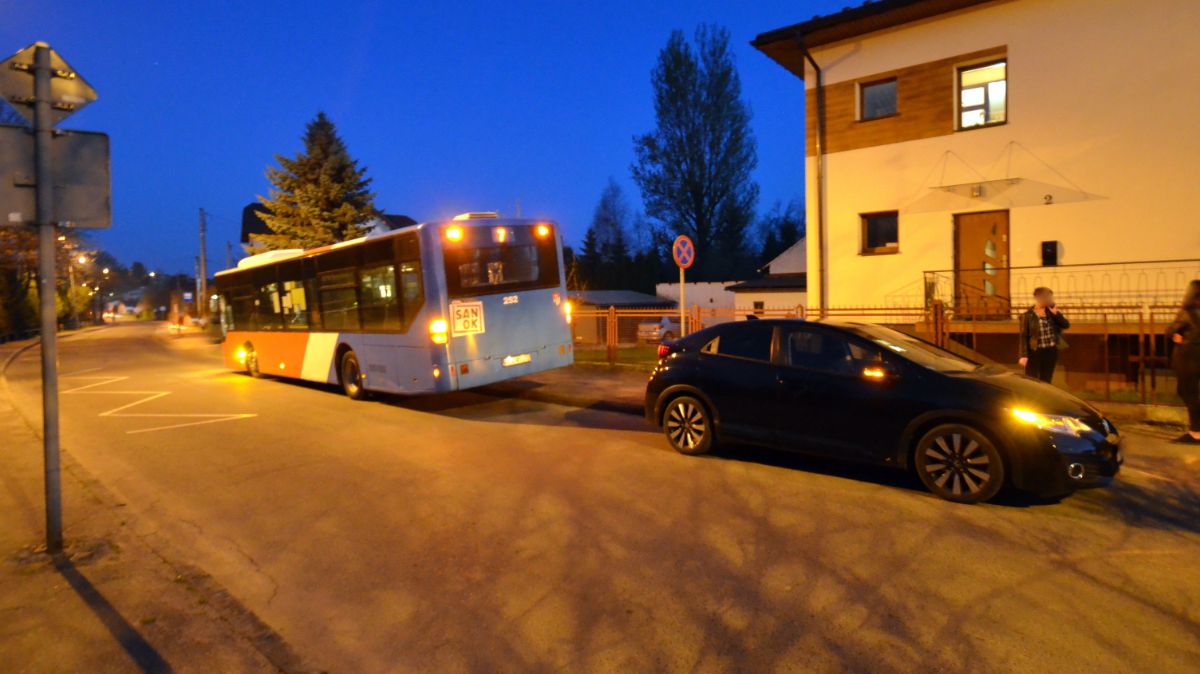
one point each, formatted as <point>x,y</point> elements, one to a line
<point>917,350</point>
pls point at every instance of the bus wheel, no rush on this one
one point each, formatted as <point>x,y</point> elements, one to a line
<point>351,377</point>
<point>252,364</point>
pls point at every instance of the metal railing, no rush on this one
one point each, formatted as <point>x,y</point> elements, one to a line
<point>1117,352</point>
<point>1150,282</point>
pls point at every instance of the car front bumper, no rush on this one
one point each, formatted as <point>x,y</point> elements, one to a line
<point>1054,464</point>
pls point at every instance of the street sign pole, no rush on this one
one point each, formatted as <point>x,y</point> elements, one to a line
<point>682,307</point>
<point>47,291</point>
<point>683,251</point>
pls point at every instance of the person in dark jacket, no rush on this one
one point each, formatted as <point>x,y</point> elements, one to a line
<point>1041,336</point>
<point>1184,332</point>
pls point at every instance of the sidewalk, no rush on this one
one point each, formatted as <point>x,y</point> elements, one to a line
<point>597,387</point>
<point>115,601</point>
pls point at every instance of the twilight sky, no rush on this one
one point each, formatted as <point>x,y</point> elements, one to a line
<point>451,106</point>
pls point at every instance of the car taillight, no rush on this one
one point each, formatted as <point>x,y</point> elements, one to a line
<point>667,348</point>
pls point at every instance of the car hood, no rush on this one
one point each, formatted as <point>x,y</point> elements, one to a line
<point>1036,395</point>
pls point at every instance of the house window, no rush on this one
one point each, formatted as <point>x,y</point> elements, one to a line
<point>877,99</point>
<point>880,233</point>
<point>759,309</point>
<point>983,95</point>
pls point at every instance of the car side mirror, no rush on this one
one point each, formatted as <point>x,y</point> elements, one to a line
<point>880,372</point>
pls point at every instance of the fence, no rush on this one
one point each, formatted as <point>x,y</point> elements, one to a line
<point>1117,351</point>
<point>1155,282</point>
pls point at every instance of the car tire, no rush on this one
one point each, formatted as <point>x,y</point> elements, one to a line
<point>688,426</point>
<point>252,367</point>
<point>350,376</point>
<point>958,463</point>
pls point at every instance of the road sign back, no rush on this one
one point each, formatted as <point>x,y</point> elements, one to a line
<point>683,251</point>
<point>68,91</point>
<point>79,171</point>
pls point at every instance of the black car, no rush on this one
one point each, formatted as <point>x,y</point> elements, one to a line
<point>868,393</point>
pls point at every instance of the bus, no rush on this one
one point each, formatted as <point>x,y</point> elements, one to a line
<point>429,308</point>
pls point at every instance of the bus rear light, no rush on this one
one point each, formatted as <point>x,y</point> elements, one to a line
<point>439,331</point>
<point>454,233</point>
<point>542,231</point>
<point>500,234</point>
<point>567,309</point>
<point>437,372</point>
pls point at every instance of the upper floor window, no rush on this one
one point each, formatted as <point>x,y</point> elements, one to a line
<point>880,233</point>
<point>877,99</point>
<point>982,95</point>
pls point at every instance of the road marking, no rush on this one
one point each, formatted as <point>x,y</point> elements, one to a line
<point>147,396</point>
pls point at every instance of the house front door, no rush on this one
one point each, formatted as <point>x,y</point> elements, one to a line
<point>981,267</point>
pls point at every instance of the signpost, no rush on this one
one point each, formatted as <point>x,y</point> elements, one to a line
<point>684,253</point>
<point>43,88</point>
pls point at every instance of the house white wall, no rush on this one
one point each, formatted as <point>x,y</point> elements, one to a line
<point>705,294</point>
<point>794,260</point>
<point>771,299</point>
<point>1102,99</point>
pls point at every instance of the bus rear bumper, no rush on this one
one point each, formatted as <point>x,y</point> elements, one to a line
<point>483,371</point>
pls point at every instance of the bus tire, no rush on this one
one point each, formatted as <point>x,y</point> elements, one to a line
<point>252,367</point>
<point>350,376</point>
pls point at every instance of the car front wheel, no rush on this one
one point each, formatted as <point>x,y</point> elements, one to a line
<point>688,426</point>
<point>958,463</point>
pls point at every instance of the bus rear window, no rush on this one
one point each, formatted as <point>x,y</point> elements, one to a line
<point>479,266</point>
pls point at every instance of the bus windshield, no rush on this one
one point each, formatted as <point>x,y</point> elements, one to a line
<point>500,259</point>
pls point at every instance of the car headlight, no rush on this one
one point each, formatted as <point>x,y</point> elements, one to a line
<point>1055,423</point>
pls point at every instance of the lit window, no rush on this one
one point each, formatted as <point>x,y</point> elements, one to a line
<point>880,233</point>
<point>983,95</point>
<point>877,99</point>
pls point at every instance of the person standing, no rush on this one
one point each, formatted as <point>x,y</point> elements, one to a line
<point>1041,336</point>
<point>1185,333</point>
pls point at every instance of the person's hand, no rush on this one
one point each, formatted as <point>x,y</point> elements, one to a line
<point>1054,310</point>
<point>1022,362</point>
<point>1177,338</point>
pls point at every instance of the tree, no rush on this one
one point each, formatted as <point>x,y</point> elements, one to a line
<point>694,168</point>
<point>319,197</point>
<point>606,258</point>
<point>779,229</point>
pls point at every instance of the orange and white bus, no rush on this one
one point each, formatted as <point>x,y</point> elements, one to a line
<point>429,308</point>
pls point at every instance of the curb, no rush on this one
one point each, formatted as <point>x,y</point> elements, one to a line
<point>1161,414</point>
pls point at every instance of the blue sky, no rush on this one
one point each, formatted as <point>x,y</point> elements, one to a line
<point>451,106</point>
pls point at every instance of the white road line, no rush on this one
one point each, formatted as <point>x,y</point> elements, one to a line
<point>147,396</point>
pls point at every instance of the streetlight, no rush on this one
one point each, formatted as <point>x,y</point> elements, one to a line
<point>153,274</point>
<point>104,271</point>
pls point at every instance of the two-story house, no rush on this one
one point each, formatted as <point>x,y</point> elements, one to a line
<point>969,150</point>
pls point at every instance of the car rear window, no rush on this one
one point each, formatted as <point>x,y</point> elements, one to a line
<point>750,341</point>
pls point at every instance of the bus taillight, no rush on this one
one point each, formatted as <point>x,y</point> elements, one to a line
<point>567,308</point>
<point>439,331</point>
<point>542,231</point>
<point>454,233</point>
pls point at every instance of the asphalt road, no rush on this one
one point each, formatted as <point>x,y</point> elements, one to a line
<point>475,532</point>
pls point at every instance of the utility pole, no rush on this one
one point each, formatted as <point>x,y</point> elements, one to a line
<point>47,290</point>
<point>228,255</point>
<point>202,274</point>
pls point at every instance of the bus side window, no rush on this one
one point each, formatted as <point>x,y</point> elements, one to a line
<point>339,300</point>
<point>268,301</point>
<point>411,292</point>
<point>380,307</point>
<point>293,300</point>
<point>241,308</point>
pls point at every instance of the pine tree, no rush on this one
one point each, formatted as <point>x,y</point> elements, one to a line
<point>319,197</point>
<point>589,260</point>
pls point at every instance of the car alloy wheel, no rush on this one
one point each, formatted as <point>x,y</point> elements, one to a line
<point>352,377</point>
<point>958,463</point>
<point>688,426</point>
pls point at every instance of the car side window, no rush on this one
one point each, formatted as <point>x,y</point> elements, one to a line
<point>826,352</point>
<point>752,342</point>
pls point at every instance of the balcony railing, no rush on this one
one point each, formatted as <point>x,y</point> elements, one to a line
<point>1145,283</point>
